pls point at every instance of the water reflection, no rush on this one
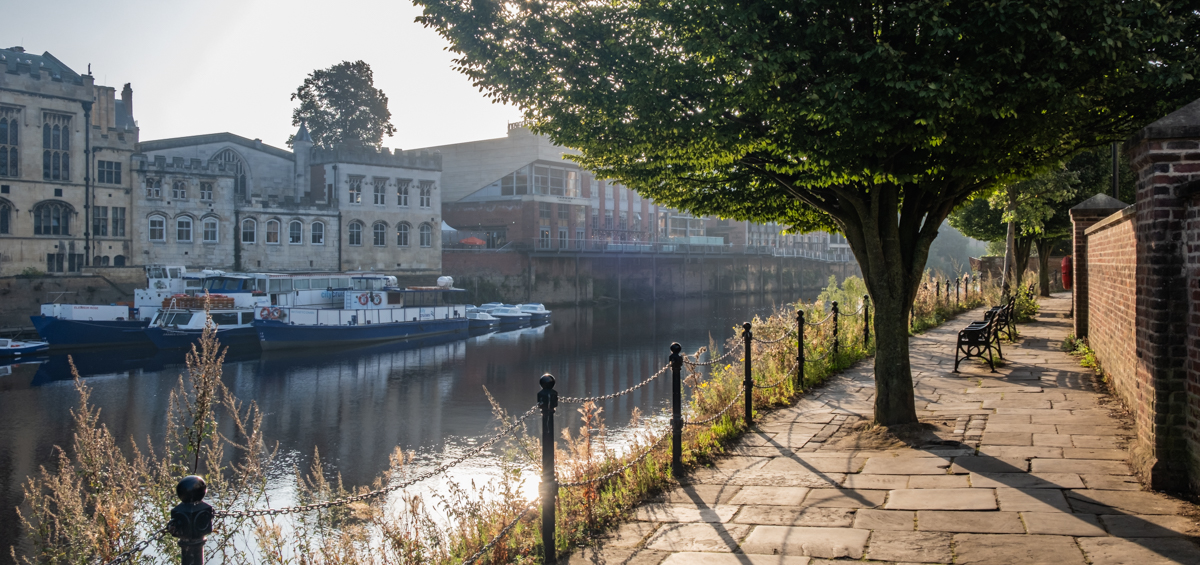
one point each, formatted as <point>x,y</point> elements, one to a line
<point>356,405</point>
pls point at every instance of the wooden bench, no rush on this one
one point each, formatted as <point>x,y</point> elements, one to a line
<point>980,338</point>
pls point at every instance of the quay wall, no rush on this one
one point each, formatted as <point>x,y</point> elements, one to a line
<point>22,296</point>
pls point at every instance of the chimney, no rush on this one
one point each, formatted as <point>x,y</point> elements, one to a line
<point>18,49</point>
<point>127,98</point>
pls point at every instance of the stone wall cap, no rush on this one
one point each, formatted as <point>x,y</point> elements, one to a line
<point>1125,214</point>
<point>1099,202</point>
<point>1181,124</point>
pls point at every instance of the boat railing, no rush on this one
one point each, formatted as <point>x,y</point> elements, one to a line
<point>344,317</point>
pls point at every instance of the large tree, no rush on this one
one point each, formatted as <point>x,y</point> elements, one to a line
<point>873,119</point>
<point>341,106</point>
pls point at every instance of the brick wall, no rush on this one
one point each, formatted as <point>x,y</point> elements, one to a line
<point>1112,278</point>
<point>1192,433</point>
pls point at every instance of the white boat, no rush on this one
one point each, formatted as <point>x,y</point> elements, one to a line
<point>14,348</point>
<point>510,315</point>
<point>538,313</point>
<point>481,320</point>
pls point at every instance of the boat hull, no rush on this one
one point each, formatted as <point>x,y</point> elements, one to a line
<point>32,347</point>
<point>483,324</point>
<point>274,335</point>
<point>77,333</point>
<point>165,338</point>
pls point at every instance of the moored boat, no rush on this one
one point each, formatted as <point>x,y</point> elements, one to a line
<point>537,312</point>
<point>510,315</point>
<point>479,320</point>
<point>14,348</point>
<point>178,329</point>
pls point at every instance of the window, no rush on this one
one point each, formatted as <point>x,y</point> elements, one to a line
<point>273,231</point>
<point>210,230</point>
<point>183,229</point>
<point>8,142</point>
<point>153,187</point>
<point>52,218</point>
<point>544,210</point>
<point>179,190</point>
<point>100,261</point>
<point>608,222</point>
<point>379,234</point>
<point>579,238</point>
<point>355,193</point>
<point>56,147</point>
<point>402,235</point>
<point>108,172</point>
<point>158,228</point>
<point>249,229</point>
<point>402,192</point>
<point>296,232</point>
<point>380,190</point>
<point>426,194</point>
<point>5,217</point>
<point>562,238</point>
<point>206,191</point>
<point>228,160</point>
<point>426,235</point>
<point>544,238</point>
<point>54,262</point>
<point>564,212</point>
<point>318,233</point>
<point>118,261</point>
<point>100,221</point>
<point>355,233</point>
<point>118,225</point>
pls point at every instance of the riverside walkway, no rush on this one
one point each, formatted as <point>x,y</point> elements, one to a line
<point>1026,465</point>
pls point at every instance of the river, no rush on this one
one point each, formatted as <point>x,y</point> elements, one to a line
<point>357,405</point>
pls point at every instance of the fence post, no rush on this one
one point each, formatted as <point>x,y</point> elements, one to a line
<point>835,333</point>
<point>947,290</point>
<point>676,412</point>
<point>957,283</point>
<point>547,398</point>
<point>799,349</point>
<point>191,520</point>
<point>866,320</point>
<point>748,381</point>
<point>937,292</point>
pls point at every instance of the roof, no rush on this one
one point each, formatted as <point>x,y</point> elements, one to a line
<point>302,135</point>
<point>1100,202</point>
<point>1182,123</point>
<point>17,61</point>
<point>223,137</point>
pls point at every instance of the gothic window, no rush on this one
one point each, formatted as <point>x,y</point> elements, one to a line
<point>108,172</point>
<point>356,230</point>
<point>379,234</point>
<point>56,146</point>
<point>273,231</point>
<point>318,233</point>
<point>206,192</point>
<point>6,212</point>
<point>153,187</point>
<point>118,223</point>
<point>402,192</point>
<point>426,193</point>
<point>8,142</point>
<point>52,218</point>
<point>426,235</point>
<point>100,221</point>
<point>249,230</point>
<point>296,232</point>
<point>183,229</point>
<point>118,261</point>
<point>211,226</point>
<point>380,190</point>
<point>402,235</point>
<point>179,190</point>
<point>158,228</point>
<point>229,161</point>
<point>355,191</point>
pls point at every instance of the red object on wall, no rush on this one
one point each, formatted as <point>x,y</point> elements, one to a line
<point>1066,272</point>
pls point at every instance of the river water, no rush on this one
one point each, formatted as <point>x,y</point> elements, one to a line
<point>357,405</point>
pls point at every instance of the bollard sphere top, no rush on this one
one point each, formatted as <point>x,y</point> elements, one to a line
<point>191,489</point>
<point>746,326</point>
<point>676,348</point>
<point>547,381</point>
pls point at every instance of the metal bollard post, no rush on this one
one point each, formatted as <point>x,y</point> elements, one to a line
<point>191,520</point>
<point>866,320</point>
<point>947,291</point>
<point>748,381</point>
<point>547,398</point>
<point>799,349</point>
<point>957,283</point>
<point>937,292</point>
<point>676,412</point>
<point>835,332</point>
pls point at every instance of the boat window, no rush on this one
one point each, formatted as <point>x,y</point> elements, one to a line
<point>368,284</point>
<point>273,285</point>
<point>225,318</point>
<point>301,284</point>
<point>155,273</point>
<point>320,283</point>
<point>422,299</point>
<point>341,282</point>
<point>193,283</point>
<point>213,284</point>
<point>247,317</point>
<point>175,319</point>
<point>285,285</point>
<point>395,298</point>
<point>261,285</point>
<point>174,272</point>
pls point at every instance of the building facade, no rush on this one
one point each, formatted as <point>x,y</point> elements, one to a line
<point>65,145</point>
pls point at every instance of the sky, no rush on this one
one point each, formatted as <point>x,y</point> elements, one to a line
<point>232,65</point>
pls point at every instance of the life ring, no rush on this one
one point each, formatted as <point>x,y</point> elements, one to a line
<point>376,299</point>
<point>265,314</point>
<point>362,299</point>
<point>276,313</point>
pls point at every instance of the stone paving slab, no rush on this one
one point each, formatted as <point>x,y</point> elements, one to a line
<point>969,522</point>
<point>813,542</point>
<point>942,499</point>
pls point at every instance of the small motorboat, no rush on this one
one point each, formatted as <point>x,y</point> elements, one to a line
<point>481,320</point>
<point>510,315</point>
<point>14,348</point>
<point>488,307</point>
<point>537,312</point>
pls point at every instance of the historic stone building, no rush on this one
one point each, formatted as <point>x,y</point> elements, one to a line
<point>225,201</point>
<point>65,144</point>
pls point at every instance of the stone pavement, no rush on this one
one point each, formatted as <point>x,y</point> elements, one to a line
<point>1026,465</point>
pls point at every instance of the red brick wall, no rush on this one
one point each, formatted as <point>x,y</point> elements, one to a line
<point>1112,278</point>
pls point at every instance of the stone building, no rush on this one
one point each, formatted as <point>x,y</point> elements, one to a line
<point>225,201</point>
<point>65,144</point>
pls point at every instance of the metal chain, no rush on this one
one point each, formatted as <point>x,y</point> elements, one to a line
<point>772,341</point>
<point>503,532</point>
<point>785,377</point>
<point>137,548</point>
<point>855,313</point>
<point>718,414</point>
<point>822,322</point>
<point>711,361</point>
<point>620,469</point>
<point>581,400</point>
<point>380,492</point>
<point>808,359</point>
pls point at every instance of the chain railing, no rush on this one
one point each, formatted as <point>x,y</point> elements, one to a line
<point>503,533</point>
<point>137,549</point>
<point>582,399</point>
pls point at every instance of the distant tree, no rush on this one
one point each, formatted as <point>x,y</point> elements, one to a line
<point>873,119</point>
<point>340,105</point>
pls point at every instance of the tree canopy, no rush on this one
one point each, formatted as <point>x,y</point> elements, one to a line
<point>340,105</point>
<point>874,119</point>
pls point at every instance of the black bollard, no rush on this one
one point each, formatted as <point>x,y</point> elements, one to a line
<point>799,350</point>
<point>676,412</point>
<point>957,283</point>
<point>947,291</point>
<point>866,320</point>
<point>191,520</point>
<point>547,398</point>
<point>835,333</point>
<point>748,381</point>
<point>937,292</point>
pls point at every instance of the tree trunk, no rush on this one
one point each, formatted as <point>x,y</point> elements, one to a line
<point>1044,246</point>
<point>894,401</point>
<point>1022,249</point>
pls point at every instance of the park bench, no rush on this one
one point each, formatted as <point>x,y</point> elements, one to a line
<point>980,338</point>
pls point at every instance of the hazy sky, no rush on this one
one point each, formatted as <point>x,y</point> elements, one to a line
<point>232,65</point>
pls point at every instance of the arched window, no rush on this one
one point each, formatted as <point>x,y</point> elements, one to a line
<point>153,187</point>
<point>249,229</point>
<point>158,228</point>
<point>211,227</point>
<point>52,218</point>
<point>183,229</point>
<point>356,230</point>
<point>318,233</point>
<point>119,261</point>
<point>230,161</point>
<point>6,212</point>
<point>100,261</point>
<point>8,144</point>
<point>56,142</point>
<point>379,234</point>
<point>273,231</point>
<point>426,235</point>
<point>179,190</point>
<point>296,232</point>
<point>402,235</point>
